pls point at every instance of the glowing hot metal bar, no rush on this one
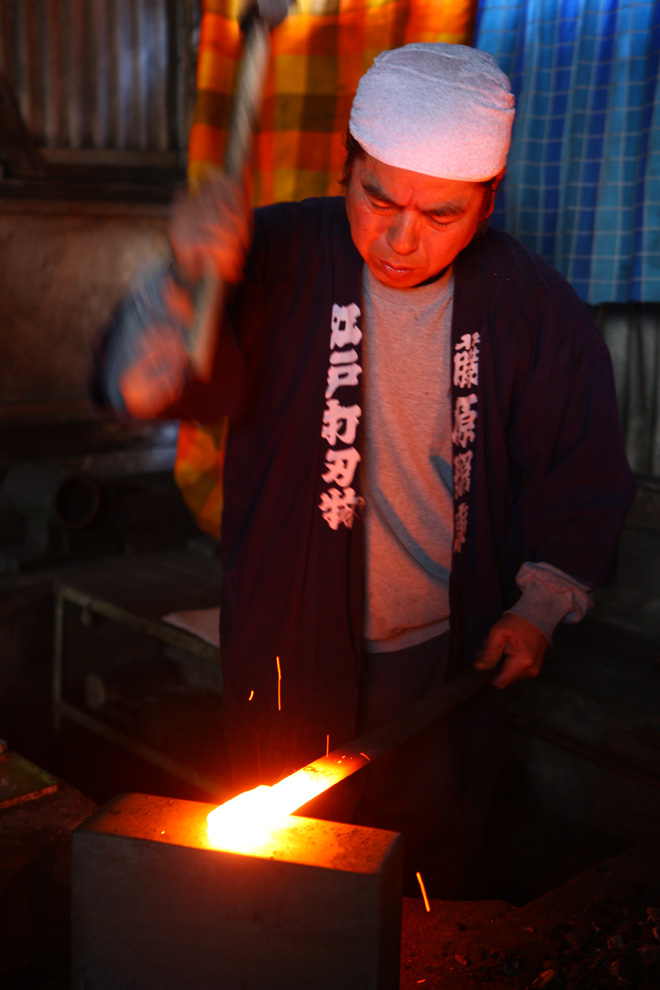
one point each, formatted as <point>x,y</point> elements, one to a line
<point>246,820</point>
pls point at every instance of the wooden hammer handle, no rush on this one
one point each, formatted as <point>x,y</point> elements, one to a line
<point>208,293</point>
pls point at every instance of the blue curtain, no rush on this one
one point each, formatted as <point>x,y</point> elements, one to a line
<point>583,180</point>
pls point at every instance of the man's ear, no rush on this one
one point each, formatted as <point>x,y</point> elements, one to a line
<point>489,198</point>
<point>498,178</point>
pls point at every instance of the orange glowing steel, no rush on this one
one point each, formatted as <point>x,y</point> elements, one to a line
<point>423,890</point>
<point>245,822</point>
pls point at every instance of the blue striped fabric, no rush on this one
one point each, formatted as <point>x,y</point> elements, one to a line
<point>583,181</point>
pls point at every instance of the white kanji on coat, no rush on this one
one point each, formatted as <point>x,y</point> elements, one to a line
<point>336,415</point>
<point>341,465</point>
<point>344,357</point>
<point>342,374</point>
<point>460,526</point>
<point>465,418</point>
<point>462,473</point>
<point>339,507</point>
<point>466,361</point>
<point>345,330</point>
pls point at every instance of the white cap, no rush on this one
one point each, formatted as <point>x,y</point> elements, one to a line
<point>442,110</point>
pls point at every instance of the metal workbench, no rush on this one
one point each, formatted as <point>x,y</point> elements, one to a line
<point>114,608</point>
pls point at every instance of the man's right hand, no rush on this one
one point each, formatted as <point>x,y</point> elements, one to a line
<point>210,231</point>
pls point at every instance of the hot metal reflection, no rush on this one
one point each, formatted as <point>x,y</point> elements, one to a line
<point>246,821</point>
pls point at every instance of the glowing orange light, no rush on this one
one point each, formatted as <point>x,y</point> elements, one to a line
<point>423,890</point>
<point>279,685</point>
<point>245,822</point>
<point>327,744</point>
<point>251,696</point>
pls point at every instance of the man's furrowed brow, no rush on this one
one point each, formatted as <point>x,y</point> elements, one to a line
<point>373,189</point>
<point>449,209</point>
<point>446,210</point>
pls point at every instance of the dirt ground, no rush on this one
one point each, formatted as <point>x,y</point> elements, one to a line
<point>599,931</point>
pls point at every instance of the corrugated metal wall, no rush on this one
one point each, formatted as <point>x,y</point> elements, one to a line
<point>632,334</point>
<point>104,75</point>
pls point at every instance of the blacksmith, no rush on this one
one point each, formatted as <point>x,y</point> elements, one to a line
<point>424,467</point>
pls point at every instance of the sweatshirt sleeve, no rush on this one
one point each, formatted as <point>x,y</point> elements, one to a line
<point>141,367</point>
<point>550,596</point>
<point>140,364</point>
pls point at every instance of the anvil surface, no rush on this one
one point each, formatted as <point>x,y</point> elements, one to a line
<point>155,906</point>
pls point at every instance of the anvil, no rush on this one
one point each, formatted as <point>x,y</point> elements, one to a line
<point>156,907</point>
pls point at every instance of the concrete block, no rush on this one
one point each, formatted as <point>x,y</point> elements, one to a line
<point>155,907</point>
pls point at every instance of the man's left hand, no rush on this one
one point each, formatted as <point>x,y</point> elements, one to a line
<point>521,645</point>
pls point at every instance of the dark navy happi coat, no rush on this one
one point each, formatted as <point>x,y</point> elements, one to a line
<point>539,468</point>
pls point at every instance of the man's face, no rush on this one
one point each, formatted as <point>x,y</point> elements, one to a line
<point>408,226</point>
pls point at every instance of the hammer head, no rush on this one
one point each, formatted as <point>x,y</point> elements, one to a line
<point>269,12</point>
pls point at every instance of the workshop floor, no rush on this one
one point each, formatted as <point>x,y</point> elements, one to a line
<point>534,850</point>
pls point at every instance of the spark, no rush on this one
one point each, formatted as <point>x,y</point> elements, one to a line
<point>279,685</point>
<point>251,696</point>
<point>423,890</point>
<point>367,758</point>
